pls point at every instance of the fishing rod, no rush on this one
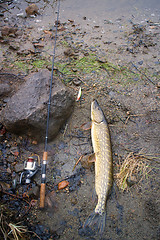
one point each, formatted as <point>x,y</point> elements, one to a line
<point>45,153</point>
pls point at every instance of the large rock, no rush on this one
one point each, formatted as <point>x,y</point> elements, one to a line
<point>26,112</point>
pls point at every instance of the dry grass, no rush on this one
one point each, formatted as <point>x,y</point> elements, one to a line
<point>17,230</point>
<point>134,168</point>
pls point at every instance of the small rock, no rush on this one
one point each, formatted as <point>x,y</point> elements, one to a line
<point>131,181</point>
<point>13,47</point>
<point>15,151</point>
<point>57,23</point>
<point>6,19</point>
<point>6,30</point>
<point>140,62</point>
<point>32,9</point>
<point>112,94</point>
<point>12,35</point>
<point>39,45</point>
<point>34,192</point>
<point>22,15</point>
<point>107,21</point>
<point>5,41</point>
<point>4,185</point>
<point>102,59</point>
<point>107,42</point>
<point>69,52</point>
<point>158,85</point>
<point>76,81</point>
<point>71,21</point>
<point>74,200</point>
<point>19,167</point>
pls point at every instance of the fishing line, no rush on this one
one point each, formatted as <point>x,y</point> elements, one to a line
<point>43,171</point>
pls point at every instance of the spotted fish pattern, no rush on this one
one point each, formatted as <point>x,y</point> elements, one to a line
<point>103,166</point>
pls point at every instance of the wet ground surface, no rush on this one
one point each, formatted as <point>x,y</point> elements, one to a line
<point>112,52</point>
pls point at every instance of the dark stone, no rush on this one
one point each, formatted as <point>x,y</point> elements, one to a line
<point>6,30</point>
<point>32,9</point>
<point>13,47</point>
<point>26,112</point>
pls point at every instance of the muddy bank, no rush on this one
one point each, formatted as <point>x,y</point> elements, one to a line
<point>113,56</point>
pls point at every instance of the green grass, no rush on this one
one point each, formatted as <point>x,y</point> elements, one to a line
<point>40,63</point>
<point>37,64</point>
<point>86,64</point>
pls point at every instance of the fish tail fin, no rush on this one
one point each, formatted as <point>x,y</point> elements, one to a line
<point>95,222</point>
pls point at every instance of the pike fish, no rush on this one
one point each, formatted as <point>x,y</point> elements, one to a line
<point>103,167</point>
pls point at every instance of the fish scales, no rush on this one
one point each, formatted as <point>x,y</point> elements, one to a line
<point>103,166</point>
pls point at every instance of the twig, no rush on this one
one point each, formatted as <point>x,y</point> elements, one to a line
<point>79,144</point>
<point>65,130</point>
<point>75,136</point>
<point>105,70</point>
<point>78,162</point>
<point>4,233</point>
<point>15,196</point>
<point>35,234</point>
<point>143,74</point>
<point>147,158</point>
<point>132,116</point>
<point>2,227</point>
<point>17,76</point>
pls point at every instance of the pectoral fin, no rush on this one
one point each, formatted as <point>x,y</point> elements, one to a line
<point>92,158</point>
<point>86,126</point>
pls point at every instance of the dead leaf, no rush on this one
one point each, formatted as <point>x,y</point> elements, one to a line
<point>63,184</point>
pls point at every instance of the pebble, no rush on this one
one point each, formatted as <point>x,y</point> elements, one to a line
<point>76,81</point>
<point>131,181</point>
<point>140,62</point>
<point>158,85</point>
<point>19,167</point>
<point>22,15</point>
<point>34,192</point>
<point>111,94</point>
<point>74,200</point>
<point>32,9</point>
<point>6,30</point>
<point>13,46</point>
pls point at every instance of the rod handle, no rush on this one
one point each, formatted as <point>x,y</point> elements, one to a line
<point>43,180</point>
<point>42,195</point>
<point>45,155</point>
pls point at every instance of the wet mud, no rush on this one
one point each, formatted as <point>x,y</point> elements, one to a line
<point>112,53</point>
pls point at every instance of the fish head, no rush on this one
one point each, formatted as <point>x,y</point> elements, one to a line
<point>97,114</point>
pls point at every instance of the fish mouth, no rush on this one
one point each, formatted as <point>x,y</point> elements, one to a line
<point>97,115</point>
<point>95,105</point>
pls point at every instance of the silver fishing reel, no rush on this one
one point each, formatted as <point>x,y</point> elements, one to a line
<point>30,169</point>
